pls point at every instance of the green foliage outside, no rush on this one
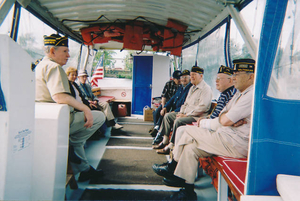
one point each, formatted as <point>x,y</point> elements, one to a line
<point>109,61</point>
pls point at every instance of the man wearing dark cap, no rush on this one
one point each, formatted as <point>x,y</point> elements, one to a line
<point>224,84</point>
<point>197,104</point>
<point>52,86</point>
<point>174,104</point>
<point>222,136</point>
<point>168,92</point>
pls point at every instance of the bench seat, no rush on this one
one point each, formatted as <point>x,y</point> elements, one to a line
<point>233,171</point>
<point>106,98</point>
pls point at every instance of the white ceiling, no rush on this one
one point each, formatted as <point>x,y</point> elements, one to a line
<point>196,14</point>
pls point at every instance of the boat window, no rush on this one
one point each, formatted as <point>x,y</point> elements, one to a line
<point>238,48</point>
<point>211,57</point>
<point>30,38</point>
<point>5,27</point>
<point>284,82</point>
<point>189,57</point>
<point>253,17</point>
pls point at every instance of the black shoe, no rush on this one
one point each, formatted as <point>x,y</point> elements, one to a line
<point>160,165</point>
<point>92,173</point>
<point>182,194</point>
<point>163,171</point>
<point>174,181</point>
<point>158,139</point>
<point>154,132</point>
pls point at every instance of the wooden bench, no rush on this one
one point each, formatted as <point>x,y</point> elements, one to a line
<point>71,177</point>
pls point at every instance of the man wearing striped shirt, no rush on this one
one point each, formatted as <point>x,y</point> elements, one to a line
<point>225,86</point>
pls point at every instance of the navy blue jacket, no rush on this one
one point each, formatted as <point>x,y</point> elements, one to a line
<point>178,99</point>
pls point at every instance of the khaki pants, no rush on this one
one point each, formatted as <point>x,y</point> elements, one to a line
<point>107,110</point>
<point>198,143</point>
<point>79,134</point>
<point>170,121</point>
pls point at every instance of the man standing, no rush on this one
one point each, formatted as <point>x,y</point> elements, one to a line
<point>197,104</point>
<point>52,86</point>
<point>220,136</point>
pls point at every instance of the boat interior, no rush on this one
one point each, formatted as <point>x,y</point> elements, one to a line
<point>159,37</point>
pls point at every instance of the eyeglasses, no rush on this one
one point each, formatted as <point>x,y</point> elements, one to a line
<point>184,77</point>
<point>220,78</point>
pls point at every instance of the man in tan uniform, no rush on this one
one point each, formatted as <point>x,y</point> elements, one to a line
<point>52,86</point>
<point>197,104</point>
<point>219,136</point>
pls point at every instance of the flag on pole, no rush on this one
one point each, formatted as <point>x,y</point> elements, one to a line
<point>98,73</point>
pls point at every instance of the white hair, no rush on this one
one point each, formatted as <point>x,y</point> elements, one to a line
<point>48,47</point>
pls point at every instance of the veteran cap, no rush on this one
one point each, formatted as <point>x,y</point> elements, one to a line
<point>176,74</point>
<point>225,70</point>
<point>185,72</point>
<point>197,69</point>
<point>55,40</point>
<point>247,65</point>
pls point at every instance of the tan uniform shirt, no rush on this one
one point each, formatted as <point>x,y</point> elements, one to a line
<point>198,100</point>
<point>50,79</point>
<point>239,107</point>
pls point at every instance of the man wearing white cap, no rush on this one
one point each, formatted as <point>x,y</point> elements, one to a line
<point>86,91</point>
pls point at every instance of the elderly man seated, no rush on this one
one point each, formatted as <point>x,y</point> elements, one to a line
<point>168,92</point>
<point>197,104</point>
<point>86,90</point>
<point>226,135</point>
<point>224,84</point>
<point>175,103</point>
<point>52,86</point>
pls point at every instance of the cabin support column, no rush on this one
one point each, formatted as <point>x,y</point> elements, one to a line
<point>4,8</point>
<point>244,31</point>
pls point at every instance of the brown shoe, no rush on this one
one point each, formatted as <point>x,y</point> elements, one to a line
<point>164,151</point>
<point>159,146</point>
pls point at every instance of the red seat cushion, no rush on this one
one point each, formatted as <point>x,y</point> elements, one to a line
<point>235,169</point>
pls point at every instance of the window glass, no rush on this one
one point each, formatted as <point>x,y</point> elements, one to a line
<point>5,27</point>
<point>30,37</point>
<point>189,57</point>
<point>252,14</point>
<point>285,82</point>
<point>211,57</point>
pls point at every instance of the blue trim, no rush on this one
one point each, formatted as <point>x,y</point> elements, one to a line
<point>16,21</point>
<point>227,43</point>
<point>2,98</point>
<point>274,146</point>
<point>243,4</point>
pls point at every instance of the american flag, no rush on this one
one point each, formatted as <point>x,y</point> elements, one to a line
<point>98,73</point>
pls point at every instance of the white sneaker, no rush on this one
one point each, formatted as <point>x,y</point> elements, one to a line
<point>117,126</point>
